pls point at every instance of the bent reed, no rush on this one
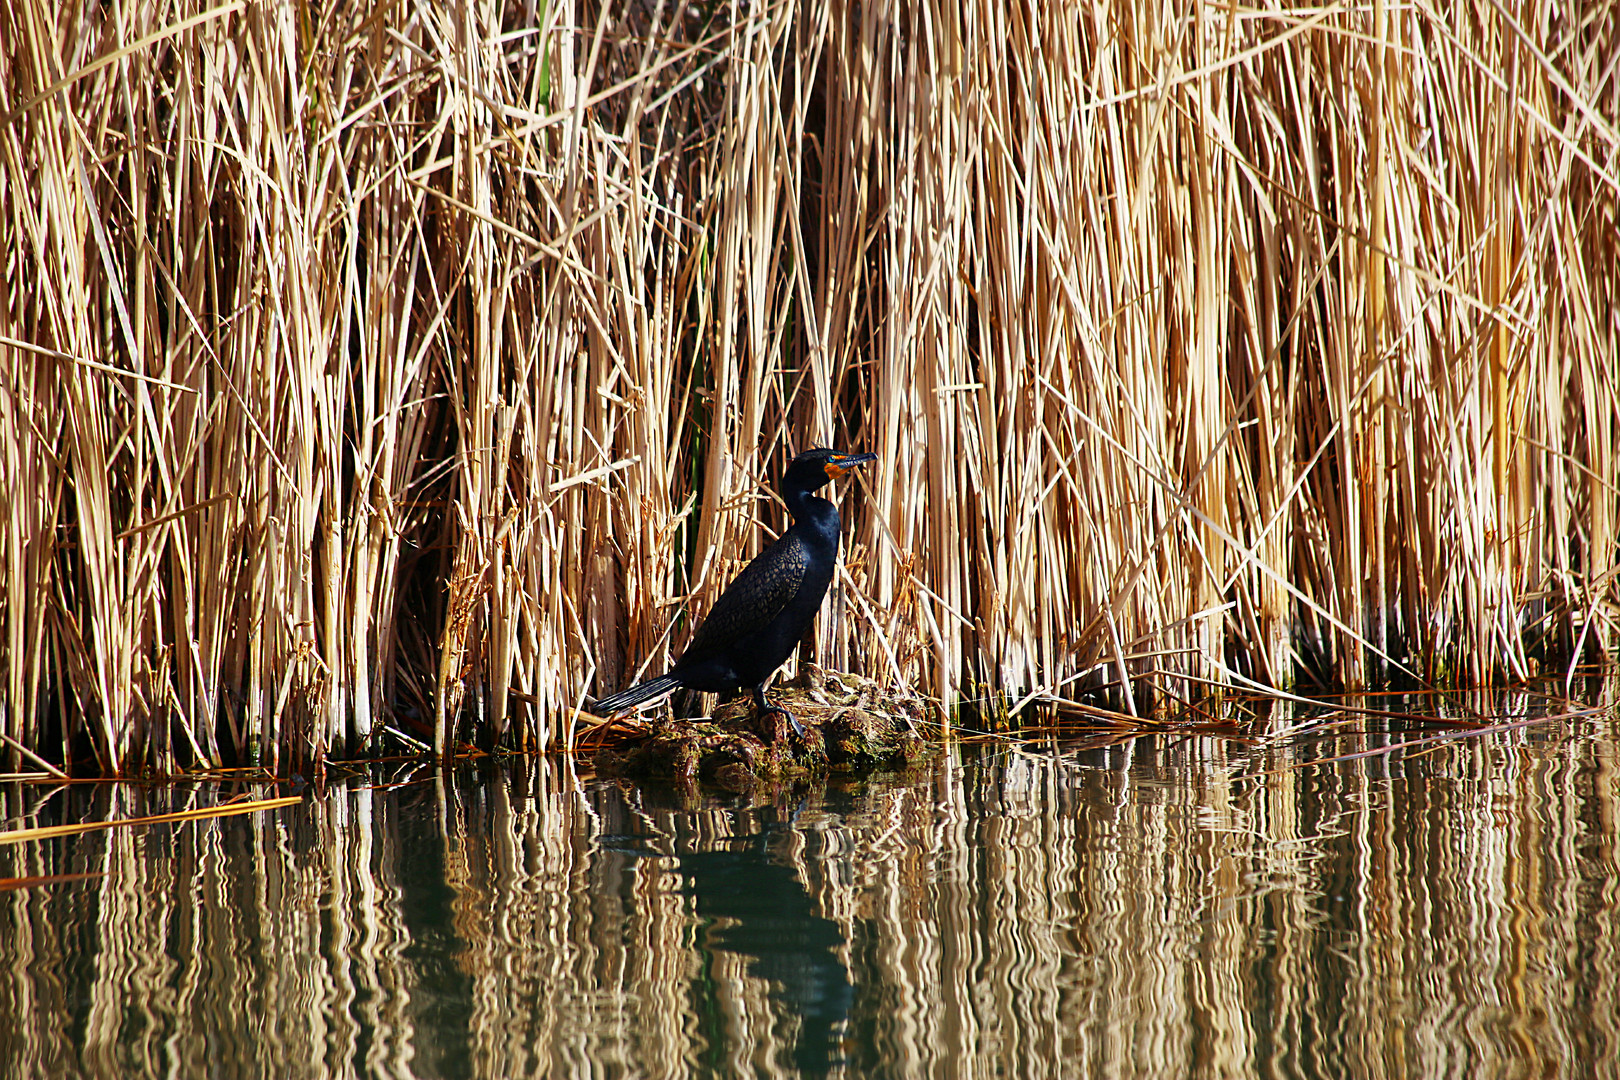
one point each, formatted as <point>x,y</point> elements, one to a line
<point>423,366</point>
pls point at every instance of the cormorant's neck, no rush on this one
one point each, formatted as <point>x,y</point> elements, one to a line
<point>811,511</point>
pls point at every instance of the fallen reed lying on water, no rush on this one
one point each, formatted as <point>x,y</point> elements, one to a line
<point>419,367</point>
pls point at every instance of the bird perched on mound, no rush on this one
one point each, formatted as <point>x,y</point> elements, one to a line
<point>755,625</point>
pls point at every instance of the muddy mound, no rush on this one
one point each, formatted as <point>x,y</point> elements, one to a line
<point>851,724</point>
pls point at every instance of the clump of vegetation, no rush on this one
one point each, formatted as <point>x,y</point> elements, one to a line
<point>851,724</point>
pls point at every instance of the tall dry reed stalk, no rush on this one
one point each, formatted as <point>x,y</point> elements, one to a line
<point>422,366</point>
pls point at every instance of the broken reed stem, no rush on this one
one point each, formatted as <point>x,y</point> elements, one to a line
<point>425,370</point>
<point>230,809</point>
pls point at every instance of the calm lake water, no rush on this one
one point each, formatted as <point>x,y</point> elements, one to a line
<point>1178,905</point>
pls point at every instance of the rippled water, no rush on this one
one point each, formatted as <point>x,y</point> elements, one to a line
<point>1187,906</point>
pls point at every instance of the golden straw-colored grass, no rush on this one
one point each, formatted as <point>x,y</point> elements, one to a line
<point>228,809</point>
<point>426,366</point>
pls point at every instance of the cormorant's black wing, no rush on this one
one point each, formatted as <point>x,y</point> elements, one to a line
<point>766,586</point>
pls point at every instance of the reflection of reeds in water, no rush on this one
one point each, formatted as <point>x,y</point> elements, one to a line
<point>420,365</point>
<point>1449,914</point>
<point>204,948</point>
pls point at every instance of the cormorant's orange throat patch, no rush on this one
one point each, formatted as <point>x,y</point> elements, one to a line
<point>838,466</point>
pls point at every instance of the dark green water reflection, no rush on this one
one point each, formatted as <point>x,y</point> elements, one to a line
<point>1170,907</point>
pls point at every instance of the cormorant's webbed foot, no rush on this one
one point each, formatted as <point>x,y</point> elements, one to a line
<point>766,708</point>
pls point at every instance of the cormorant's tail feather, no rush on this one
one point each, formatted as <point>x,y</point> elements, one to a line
<point>635,695</point>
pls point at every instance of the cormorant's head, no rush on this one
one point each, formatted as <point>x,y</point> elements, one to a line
<point>813,468</point>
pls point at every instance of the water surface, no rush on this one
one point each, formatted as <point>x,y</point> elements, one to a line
<point>1168,906</point>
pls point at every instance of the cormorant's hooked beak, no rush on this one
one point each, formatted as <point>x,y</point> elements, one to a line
<point>839,464</point>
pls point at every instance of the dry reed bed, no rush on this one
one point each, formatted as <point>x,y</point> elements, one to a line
<point>422,364</point>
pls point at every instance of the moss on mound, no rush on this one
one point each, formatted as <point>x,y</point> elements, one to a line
<point>851,724</point>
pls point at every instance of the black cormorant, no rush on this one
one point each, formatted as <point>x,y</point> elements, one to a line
<point>757,622</point>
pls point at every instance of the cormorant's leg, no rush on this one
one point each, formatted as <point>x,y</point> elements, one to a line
<point>766,708</point>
